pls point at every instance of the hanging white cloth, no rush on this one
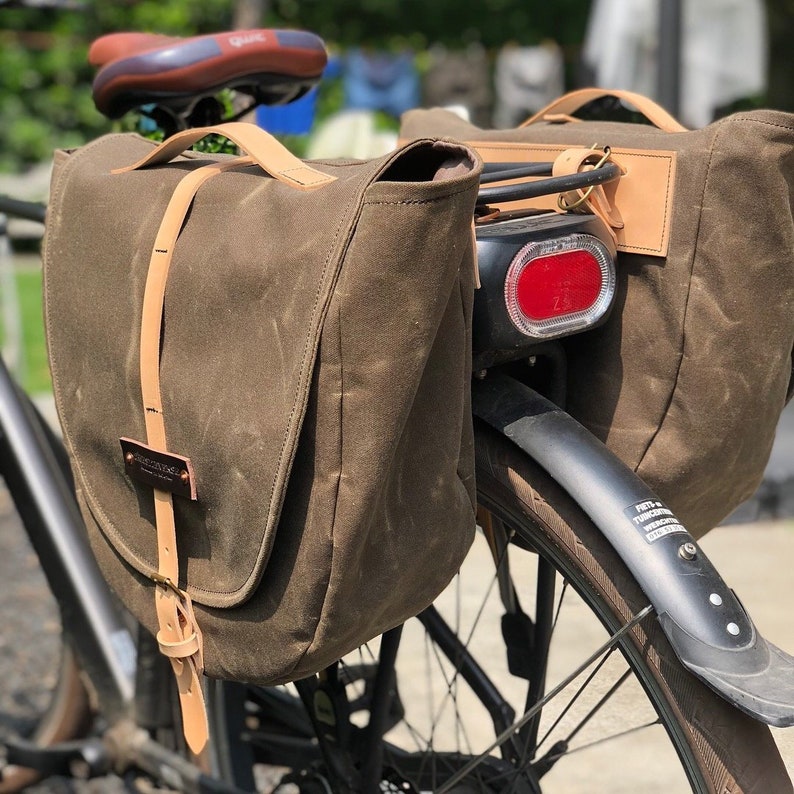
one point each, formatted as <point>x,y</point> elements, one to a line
<point>526,79</point>
<point>723,51</point>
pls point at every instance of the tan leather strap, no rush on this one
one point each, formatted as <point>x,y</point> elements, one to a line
<point>597,199</point>
<point>265,150</point>
<point>644,194</point>
<point>179,636</point>
<point>573,101</point>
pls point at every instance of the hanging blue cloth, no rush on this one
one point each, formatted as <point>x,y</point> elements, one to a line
<point>295,118</point>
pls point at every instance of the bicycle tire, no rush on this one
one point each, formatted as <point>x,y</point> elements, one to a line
<point>717,748</point>
<point>729,751</point>
<point>67,717</point>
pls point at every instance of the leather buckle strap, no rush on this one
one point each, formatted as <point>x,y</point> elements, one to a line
<point>179,649</point>
<point>564,201</point>
<point>179,636</point>
<point>598,200</point>
<point>188,644</point>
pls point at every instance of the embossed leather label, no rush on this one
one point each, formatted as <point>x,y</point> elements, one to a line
<point>162,470</point>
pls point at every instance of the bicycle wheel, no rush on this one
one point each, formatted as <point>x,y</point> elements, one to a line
<point>576,689</point>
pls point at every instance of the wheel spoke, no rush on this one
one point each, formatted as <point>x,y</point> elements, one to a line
<point>573,700</point>
<point>450,681</point>
<point>611,738</point>
<point>507,734</point>
<point>598,706</point>
<point>562,747</point>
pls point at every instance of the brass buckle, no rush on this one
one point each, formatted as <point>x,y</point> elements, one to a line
<point>565,207</point>
<point>164,581</point>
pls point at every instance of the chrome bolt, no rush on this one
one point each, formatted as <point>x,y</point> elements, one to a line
<point>716,599</point>
<point>733,629</point>
<point>688,551</point>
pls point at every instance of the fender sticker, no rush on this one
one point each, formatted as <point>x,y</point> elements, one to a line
<point>653,519</point>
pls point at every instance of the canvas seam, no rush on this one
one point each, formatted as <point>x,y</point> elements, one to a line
<point>764,122</point>
<point>433,200</point>
<point>311,643</point>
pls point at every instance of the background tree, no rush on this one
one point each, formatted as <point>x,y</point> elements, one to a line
<point>780,93</point>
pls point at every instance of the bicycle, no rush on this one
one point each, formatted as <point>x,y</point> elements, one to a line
<point>544,560</point>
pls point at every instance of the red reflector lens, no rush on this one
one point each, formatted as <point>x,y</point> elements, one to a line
<point>559,286</point>
<point>559,283</point>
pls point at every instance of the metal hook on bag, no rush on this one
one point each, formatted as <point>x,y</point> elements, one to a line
<point>564,206</point>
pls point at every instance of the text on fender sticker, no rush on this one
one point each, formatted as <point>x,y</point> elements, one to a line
<point>653,519</point>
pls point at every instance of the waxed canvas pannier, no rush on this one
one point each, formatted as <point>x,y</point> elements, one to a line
<point>687,379</point>
<point>262,371</point>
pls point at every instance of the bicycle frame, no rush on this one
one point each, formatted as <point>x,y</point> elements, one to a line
<point>44,502</point>
<point>43,495</point>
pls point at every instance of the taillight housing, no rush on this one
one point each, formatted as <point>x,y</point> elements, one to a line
<point>559,286</point>
<point>543,275</point>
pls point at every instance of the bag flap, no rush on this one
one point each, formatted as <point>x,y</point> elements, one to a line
<point>250,282</point>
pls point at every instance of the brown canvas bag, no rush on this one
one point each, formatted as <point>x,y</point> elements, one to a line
<point>687,379</point>
<point>283,349</point>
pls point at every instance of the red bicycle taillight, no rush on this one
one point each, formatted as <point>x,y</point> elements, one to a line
<point>556,287</point>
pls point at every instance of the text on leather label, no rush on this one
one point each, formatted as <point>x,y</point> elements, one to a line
<point>162,470</point>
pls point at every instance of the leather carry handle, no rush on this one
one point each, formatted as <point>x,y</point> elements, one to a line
<point>266,151</point>
<point>573,101</point>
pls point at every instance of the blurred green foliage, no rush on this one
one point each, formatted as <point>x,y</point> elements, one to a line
<point>45,94</point>
<point>45,79</point>
<point>31,368</point>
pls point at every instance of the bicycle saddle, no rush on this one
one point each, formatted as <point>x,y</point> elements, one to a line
<point>273,66</point>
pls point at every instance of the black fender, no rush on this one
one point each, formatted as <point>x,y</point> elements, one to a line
<point>708,627</point>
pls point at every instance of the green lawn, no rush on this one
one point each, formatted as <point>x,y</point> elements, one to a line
<point>34,370</point>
